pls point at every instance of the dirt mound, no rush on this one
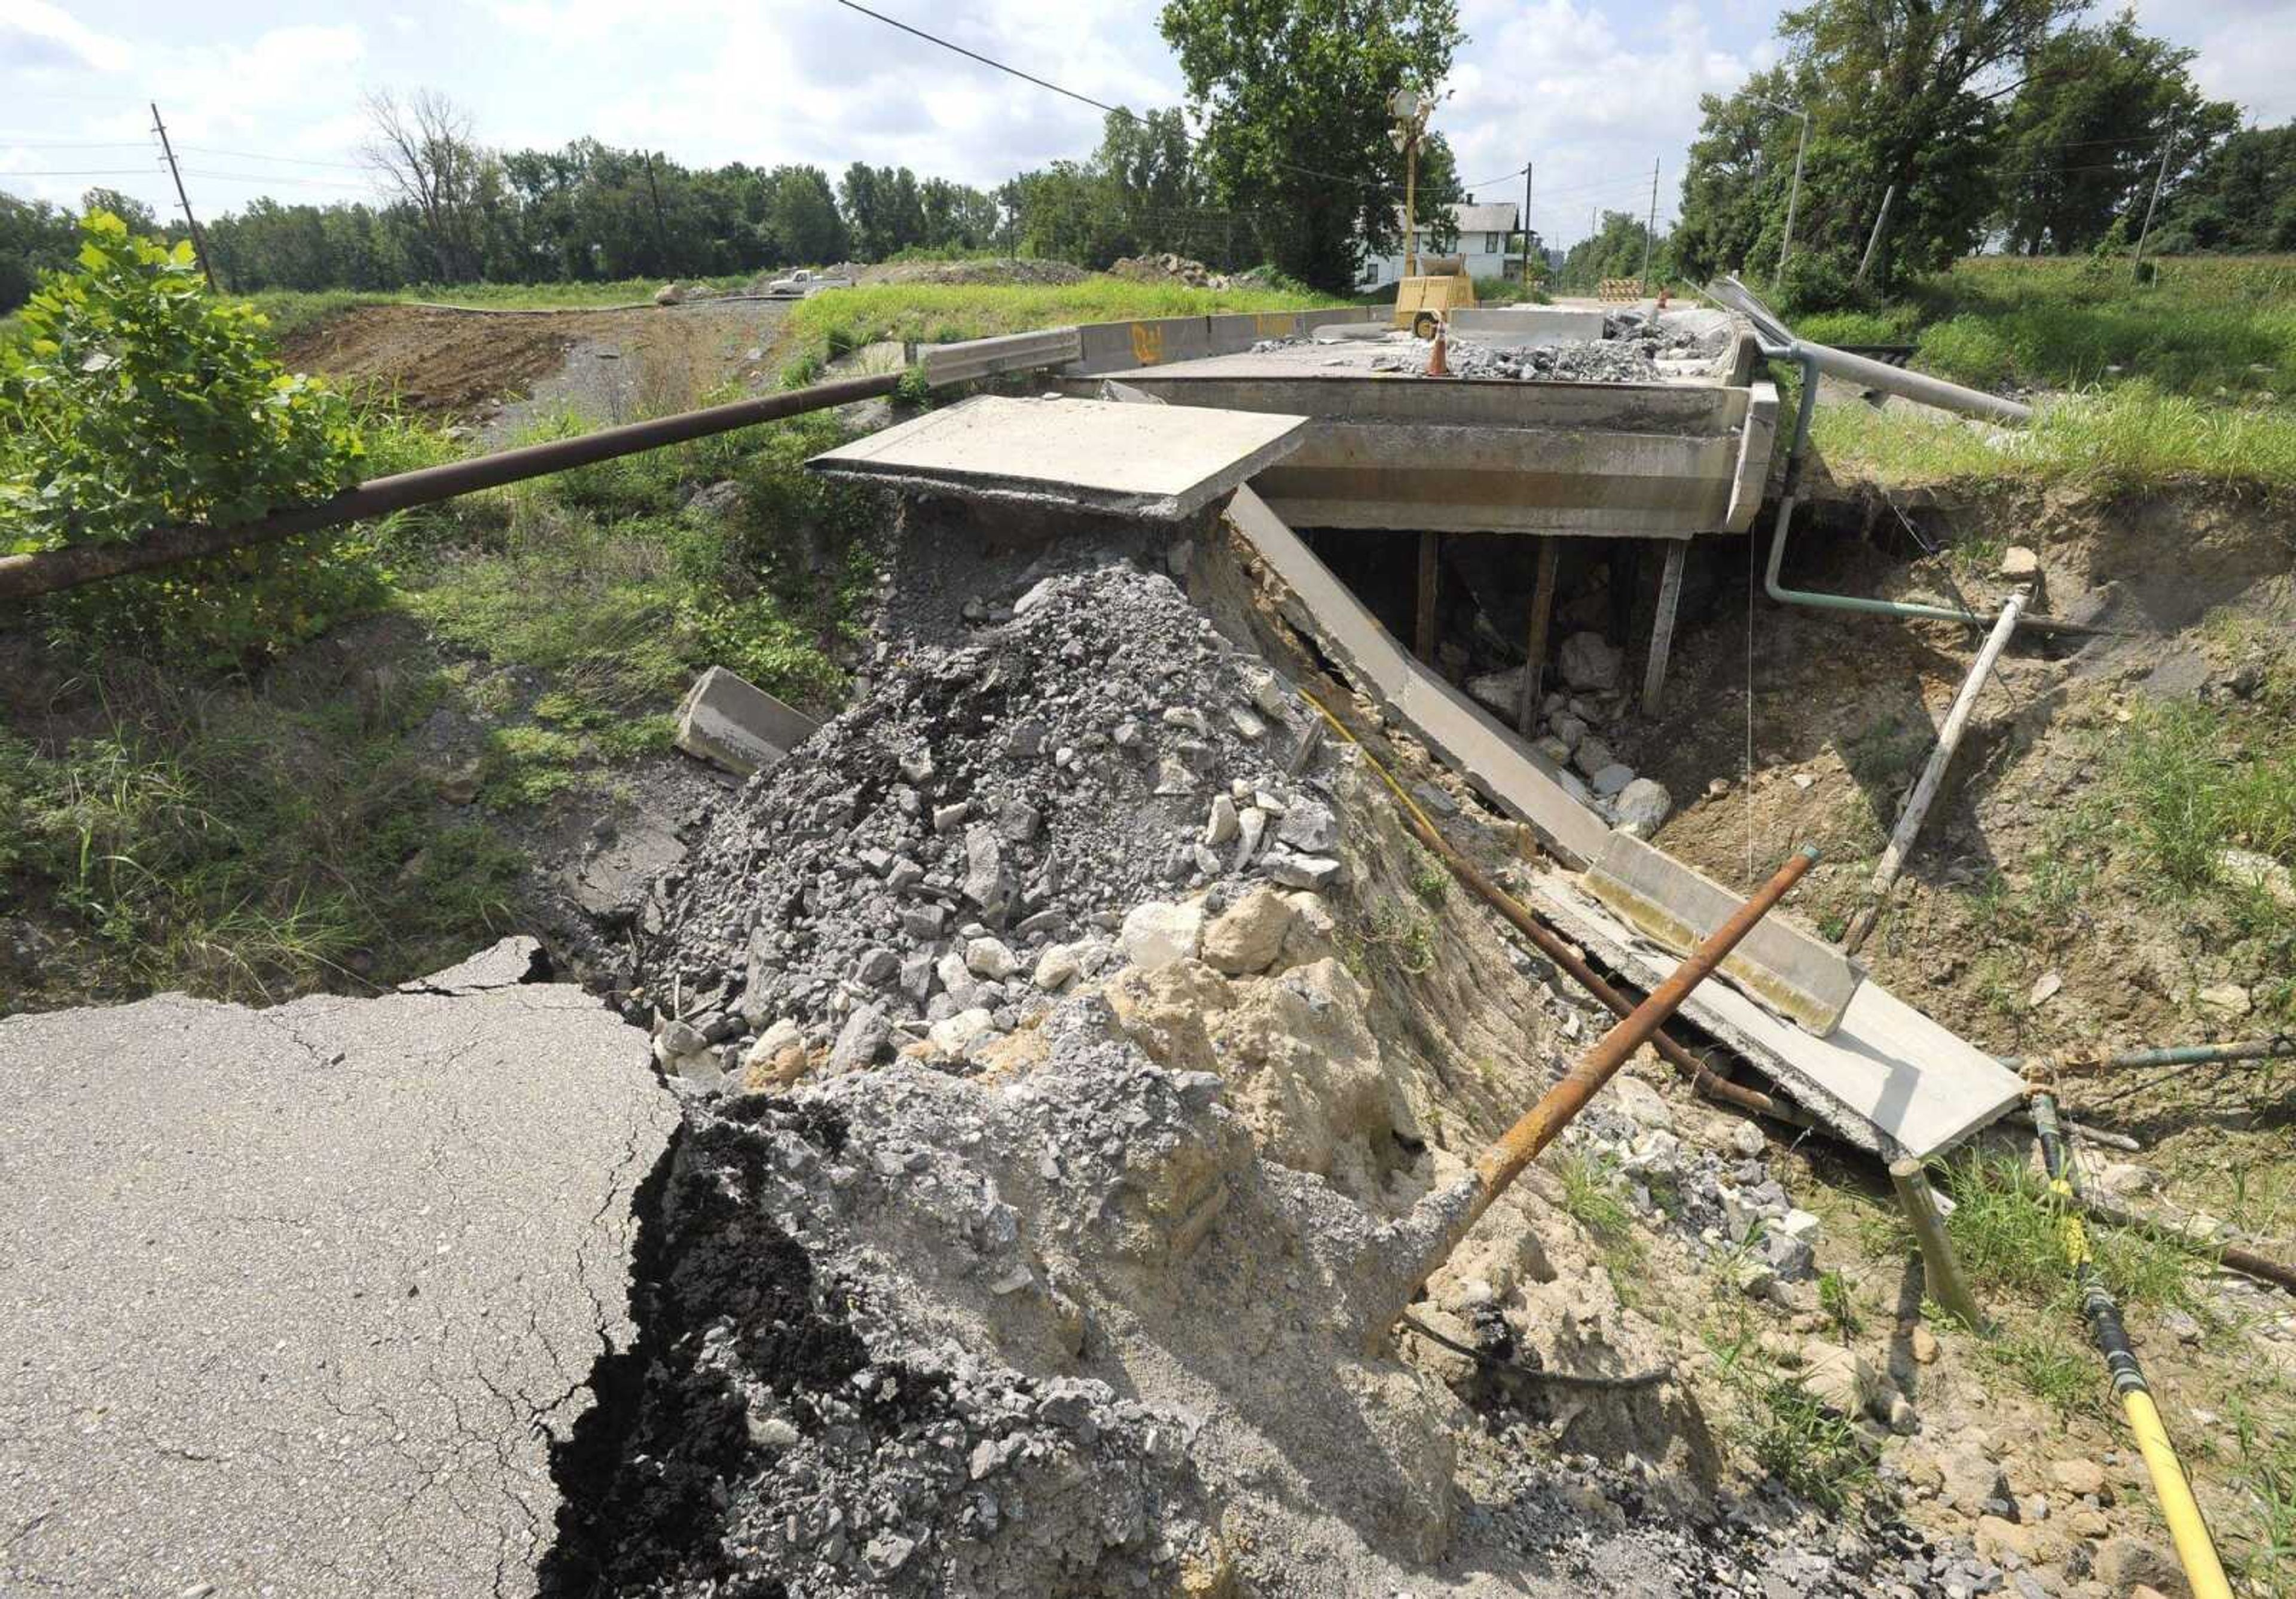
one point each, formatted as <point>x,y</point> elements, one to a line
<point>1008,269</point>
<point>1169,268</point>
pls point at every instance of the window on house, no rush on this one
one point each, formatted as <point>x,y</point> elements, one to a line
<point>1490,245</point>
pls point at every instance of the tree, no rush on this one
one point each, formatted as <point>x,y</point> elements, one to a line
<point>1615,249</point>
<point>2083,142</point>
<point>421,147</point>
<point>802,226</point>
<point>2243,197</point>
<point>35,237</point>
<point>1291,97</point>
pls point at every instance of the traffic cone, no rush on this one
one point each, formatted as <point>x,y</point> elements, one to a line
<point>1438,364</point>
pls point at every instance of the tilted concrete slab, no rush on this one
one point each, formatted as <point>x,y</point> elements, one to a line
<point>1792,972</point>
<point>730,722</point>
<point>1151,460</point>
<point>1887,1077</point>
<point>1529,327</point>
<point>297,1299</point>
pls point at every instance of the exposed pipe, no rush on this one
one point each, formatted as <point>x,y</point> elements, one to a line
<point>1925,790</point>
<point>2196,1549</point>
<point>2183,1055</point>
<point>1556,949</point>
<point>1790,497</point>
<point>1437,1223</point>
<point>43,572</point>
<point>1868,374</point>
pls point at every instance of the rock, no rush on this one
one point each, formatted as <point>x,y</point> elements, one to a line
<point>2245,868</point>
<point>2044,990</point>
<point>1793,1259</point>
<point>1056,968</point>
<point>1746,1139</point>
<point>954,1035</point>
<point>1642,1104</point>
<point>1247,727</point>
<point>1590,662</point>
<point>1310,827</point>
<point>1972,1479</point>
<point>1841,1379</point>
<point>1998,1537</point>
<point>1612,780</point>
<point>2082,1479</point>
<point>1251,828</point>
<point>2123,1564</point>
<point>1923,1345</point>
<point>1220,826</point>
<point>2020,564</point>
<point>986,883</point>
<point>669,295</point>
<point>2181,1325</point>
<point>878,968</point>
<point>1642,806</point>
<point>1317,871</point>
<point>1798,1224</point>
<point>1248,935</point>
<point>865,1034</point>
<point>1592,755</point>
<point>718,500</point>
<point>2126,1179</point>
<point>1553,749</point>
<point>991,958</point>
<point>2226,999</point>
<point>1159,932</point>
<point>1568,728</point>
<point>949,818</point>
<point>1018,823</point>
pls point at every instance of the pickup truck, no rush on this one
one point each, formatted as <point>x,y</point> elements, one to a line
<point>804,283</point>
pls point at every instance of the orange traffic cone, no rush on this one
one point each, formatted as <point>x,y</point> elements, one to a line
<point>1438,364</point>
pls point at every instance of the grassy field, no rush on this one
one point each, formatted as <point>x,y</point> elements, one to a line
<point>2188,378</point>
<point>291,310</point>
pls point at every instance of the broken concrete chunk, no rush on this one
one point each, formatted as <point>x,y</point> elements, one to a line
<point>1248,935</point>
<point>986,883</point>
<point>1591,662</point>
<point>1251,826</point>
<point>1220,826</point>
<point>1612,780</point>
<point>954,1035</point>
<point>1159,932</point>
<point>2020,564</point>
<point>1311,827</point>
<point>866,1033</point>
<point>1317,872</point>
<point>1642,806</point>
<point>991,958</point>
<point>732,723</point>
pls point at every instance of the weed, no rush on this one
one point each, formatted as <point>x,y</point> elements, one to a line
<point>1591,1196</point>
<point>1839,1300</point>
<point>1407,933</point>
<point>2046,1363</point>
<point>1791,1435</point>
<point>1431,880</point>
<point>2009,1232</point>
<point>2264,1469</point>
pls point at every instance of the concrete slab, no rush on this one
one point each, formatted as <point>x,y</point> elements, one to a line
<point>1793,972</point>
<point>297,1299</point>
<point>730,722</point>
<point>1886,1077</point>
<point>1151,460</point>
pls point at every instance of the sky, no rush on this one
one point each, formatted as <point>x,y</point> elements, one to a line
<point>262,97</point>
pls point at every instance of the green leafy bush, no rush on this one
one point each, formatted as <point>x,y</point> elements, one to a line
<point>130,397</point>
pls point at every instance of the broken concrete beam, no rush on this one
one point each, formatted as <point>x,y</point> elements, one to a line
<point>301,1299</point>
<point>730,722</point>
<point>1009,352</point>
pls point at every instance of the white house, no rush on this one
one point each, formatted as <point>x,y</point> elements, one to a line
<point>1485,232</point>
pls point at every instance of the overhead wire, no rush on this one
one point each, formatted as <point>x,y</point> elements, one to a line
<point>294,160</point>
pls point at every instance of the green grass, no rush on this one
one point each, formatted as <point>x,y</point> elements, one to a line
<point>230,842</point>
<point>1591,1196</point>
<point>2125,439</point>
<point>1789,1433</point>
<point>2262,1467</point>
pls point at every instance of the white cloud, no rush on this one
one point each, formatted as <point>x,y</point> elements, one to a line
<point>35,35</point>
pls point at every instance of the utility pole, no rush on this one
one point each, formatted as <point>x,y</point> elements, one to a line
<point>660,236</point>
<point>1526,226</point>
<point>198,240</point>
<point>1794,200</point>
<point>1880,220</point>
<point>1650,228</point>
<point>2159,178</point>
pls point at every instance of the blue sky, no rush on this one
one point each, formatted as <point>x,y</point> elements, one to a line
<point>262,97</point>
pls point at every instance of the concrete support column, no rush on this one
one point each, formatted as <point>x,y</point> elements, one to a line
<point>1669,599</point>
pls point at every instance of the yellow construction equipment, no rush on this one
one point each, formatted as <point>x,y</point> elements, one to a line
<point>1442,287</point>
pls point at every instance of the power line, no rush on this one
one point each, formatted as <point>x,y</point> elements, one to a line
<point>297,160</point>
<point>1114,111</point>
<point>1501,178</point>
<point>270,178</point>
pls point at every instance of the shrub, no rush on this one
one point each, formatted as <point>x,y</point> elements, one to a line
<point>1820,281</point>
<point>130,399</point>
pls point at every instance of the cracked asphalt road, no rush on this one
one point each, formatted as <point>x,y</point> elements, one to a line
<point>297,1299</point>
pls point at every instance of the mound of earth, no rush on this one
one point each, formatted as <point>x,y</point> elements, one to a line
<point>1169,268</point>
<point>1006,269</point>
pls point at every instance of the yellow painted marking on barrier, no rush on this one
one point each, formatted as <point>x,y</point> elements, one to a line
<point>1147,343</point>
<point>1276,324</point>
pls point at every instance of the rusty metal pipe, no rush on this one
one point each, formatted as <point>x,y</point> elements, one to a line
<point>1439,1222</point>
<point>43,572</point>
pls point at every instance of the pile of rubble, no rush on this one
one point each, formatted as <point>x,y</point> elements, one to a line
<point>1593,695</point>
<point>1592,361</point>
<point>1169,268</point>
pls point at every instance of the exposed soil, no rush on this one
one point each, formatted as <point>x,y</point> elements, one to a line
<point>612,366</point>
